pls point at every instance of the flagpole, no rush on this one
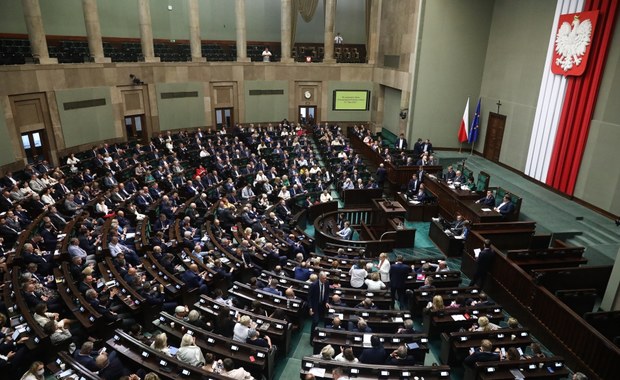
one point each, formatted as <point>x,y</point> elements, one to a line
<point>472,149</point>
<point>461,147</point>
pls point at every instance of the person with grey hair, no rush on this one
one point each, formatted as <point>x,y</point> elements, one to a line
<point>327,353</point>
<point>189,352</point>
<point>400,357</point>
<point>255,339</point>
<point>579,376</point>
<point>407,327</point>
<point>318,298</point>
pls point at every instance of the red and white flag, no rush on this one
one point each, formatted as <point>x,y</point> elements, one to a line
<point>463,129</point>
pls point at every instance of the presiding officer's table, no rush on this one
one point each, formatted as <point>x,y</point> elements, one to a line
<point>453,201</point>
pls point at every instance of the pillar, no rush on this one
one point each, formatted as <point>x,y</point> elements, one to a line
<point>373,35</point>
<point>36,33</point>
<point>330,22</point>
<point>194,32</point>
<point>146,31</point>
<point>242,50</point>
<point>93,31</point>
<point>285,27</point>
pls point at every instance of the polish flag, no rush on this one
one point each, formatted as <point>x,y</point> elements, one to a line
<point>463,131</point>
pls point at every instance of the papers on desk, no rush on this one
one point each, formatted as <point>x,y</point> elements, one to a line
<point>486,209</point>
<point>317,372</point>
<point>366,341</point>
<point>460,237</point>
<point>451,186</point>
<point>477,252</point>
<point>397,319</point>
<point>414,202</point>
<point>130,235</point>
<point>458,317</point>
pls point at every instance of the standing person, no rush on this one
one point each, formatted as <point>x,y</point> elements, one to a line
<point>381,175</point>
<point>384,267</point>
<point>401,142</point>
<point>318,296</point>
<point>398,277</point>
<point>266,55</point>
<point>338,40</point>
<point>483,264</point>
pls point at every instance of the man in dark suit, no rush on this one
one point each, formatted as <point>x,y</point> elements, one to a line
<point>398,277</point>
<point>110,367</point>
<point>483,264</point>
<point>375,354</point>
<point>417,148</point>
<point>381,175</point>
<point>413,185</point>
<point>399,357</point>
<point>485,354</point>
<point>193,279</point>
<point>506,207</point>
<point>401,142</point>
<point>318,297</point>
<point>488,200</point>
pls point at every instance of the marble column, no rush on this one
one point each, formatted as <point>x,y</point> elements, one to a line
<point>373,34</point>
<point>330,22</point>
<point>146,31</point>
<point>93,31</point>
<point>36,33</point>
<point>242,51</point>
<point>285,27</point>
<point>194,32</point>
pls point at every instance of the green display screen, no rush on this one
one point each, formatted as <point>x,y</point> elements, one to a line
<point>351,100</point>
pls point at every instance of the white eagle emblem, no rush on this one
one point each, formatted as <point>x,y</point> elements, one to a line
<point>571,43</point>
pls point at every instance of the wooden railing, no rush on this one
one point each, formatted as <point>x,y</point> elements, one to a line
<point>324,234</point>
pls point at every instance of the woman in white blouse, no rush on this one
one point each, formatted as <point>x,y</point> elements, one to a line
<point>374,284</point>
<point>47,197</point>
<point>358,274</point>
<point>284,194</point>
<point>384,267</point>
<point>101,207</point>
<point>260,177</point>
<point>190,353</point>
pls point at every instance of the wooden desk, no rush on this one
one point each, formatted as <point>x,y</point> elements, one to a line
<point>337,338</point>
<point>385,210</point>
<point>457,201</point>
<point>455,346</point>
<point>438,322</point>
<point>448,245</point>
<point>373,371</point>
<point>535,368</point>
<point>279,330</point>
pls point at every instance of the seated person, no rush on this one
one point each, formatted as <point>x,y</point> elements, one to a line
<point>471,185</point>
<point>407,327</point>
<point>450,174</point>
<point>484,325</point>
<point>457,226</point>
<point>421,196</point>
<point>488,200</point>
<point>347,232</point>
<point>459,177</point>
<point>400,357</point>
<point>375,354</point>
<point>336,324</point>
<point>506,207</point>
<point>485,354</point>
